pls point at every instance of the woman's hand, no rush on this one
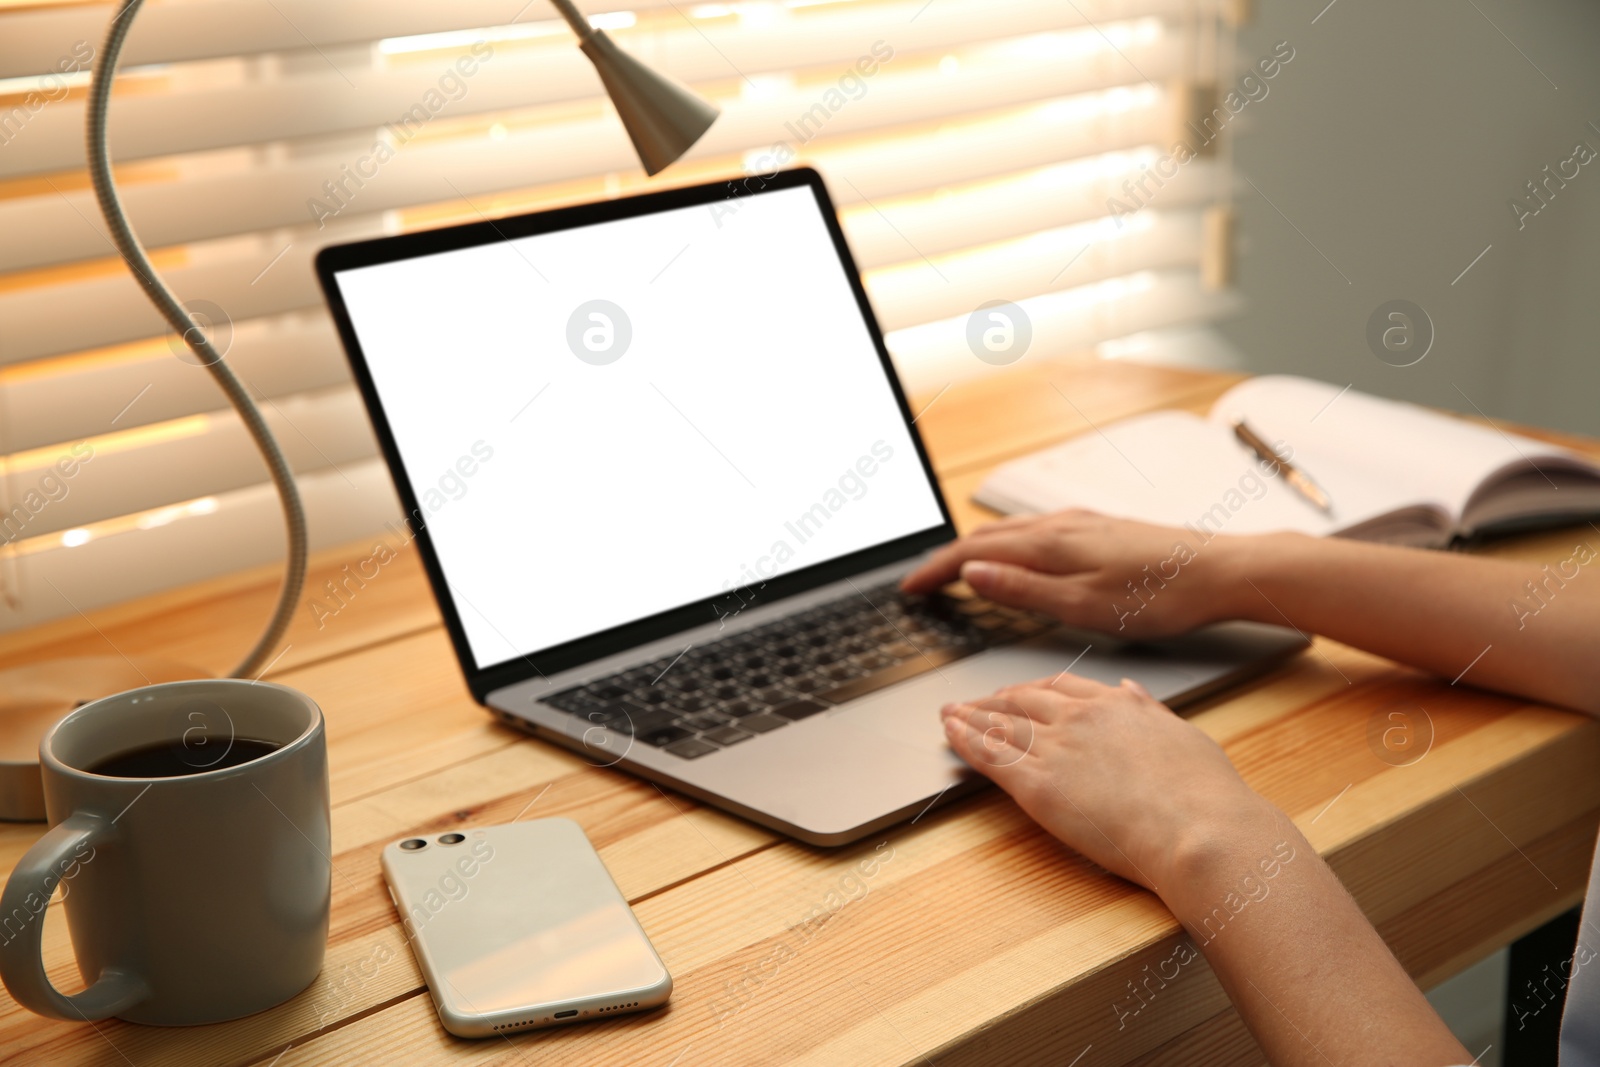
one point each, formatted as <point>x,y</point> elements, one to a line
<point>1088,570</point>
<point>1119,777</point>
<point>1111,772</point>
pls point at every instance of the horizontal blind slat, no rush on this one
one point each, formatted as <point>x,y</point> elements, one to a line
<point>932,355</point>
<point>133,471</point>
<point>48,580</point>
<point>209,29</point>
<point>49,320</point>
<point>72,398</point>
<point>961,217</point>
<point>206,29</point>
<point>925,290</point>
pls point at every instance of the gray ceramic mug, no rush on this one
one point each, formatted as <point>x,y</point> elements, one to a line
<point>193,898</point>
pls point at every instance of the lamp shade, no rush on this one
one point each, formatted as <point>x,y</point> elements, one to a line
<point>662,117</point>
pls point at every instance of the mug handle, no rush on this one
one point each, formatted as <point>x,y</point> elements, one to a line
<point>21,959</point>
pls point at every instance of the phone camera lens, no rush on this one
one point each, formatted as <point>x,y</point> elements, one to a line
<point>413,843</point>
<point>452,839</point>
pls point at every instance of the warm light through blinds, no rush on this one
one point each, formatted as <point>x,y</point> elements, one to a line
<point>972,146</point>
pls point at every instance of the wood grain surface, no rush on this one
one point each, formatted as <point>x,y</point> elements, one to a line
<point>977,939</point>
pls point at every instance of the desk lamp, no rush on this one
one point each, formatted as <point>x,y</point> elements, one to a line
<point>662,118</point>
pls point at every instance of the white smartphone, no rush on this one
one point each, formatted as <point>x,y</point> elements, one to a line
<point>521,926</point>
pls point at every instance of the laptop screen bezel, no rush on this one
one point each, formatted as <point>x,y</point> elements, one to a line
<point>483,680</point>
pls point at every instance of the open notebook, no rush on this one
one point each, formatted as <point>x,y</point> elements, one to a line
<point>1394,471</point>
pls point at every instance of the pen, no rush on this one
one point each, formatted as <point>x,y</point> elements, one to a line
<point>1291,474</point>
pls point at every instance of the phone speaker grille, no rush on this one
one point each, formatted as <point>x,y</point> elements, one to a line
<point>516,1026</point>
<point>533,1022</point>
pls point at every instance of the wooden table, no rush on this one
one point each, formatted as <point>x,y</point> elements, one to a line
<point>979,941</point>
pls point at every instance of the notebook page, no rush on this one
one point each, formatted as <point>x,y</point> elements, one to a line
<point>1405,453</point>
<point>1174,469</point>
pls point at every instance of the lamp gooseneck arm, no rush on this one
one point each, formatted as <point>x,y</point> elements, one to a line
<point>133,254</point>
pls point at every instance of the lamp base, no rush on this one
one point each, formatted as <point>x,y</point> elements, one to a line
<point>35,697</point>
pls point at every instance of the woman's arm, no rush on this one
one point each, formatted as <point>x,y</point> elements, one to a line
<point>1113,773</point>
<point>1519,628</point>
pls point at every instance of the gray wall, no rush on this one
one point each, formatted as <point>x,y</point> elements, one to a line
<point>1394,141</point>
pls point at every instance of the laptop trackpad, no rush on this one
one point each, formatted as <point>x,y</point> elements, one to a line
<point>908,713</point>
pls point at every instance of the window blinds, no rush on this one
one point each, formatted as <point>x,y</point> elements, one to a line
<point>978,150</point>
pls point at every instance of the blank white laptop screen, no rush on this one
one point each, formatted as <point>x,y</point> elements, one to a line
<point>745,430</point>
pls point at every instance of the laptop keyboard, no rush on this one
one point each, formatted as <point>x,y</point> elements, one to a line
<point>718,694</point>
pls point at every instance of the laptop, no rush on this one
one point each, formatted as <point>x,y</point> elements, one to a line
<point>664,480</point>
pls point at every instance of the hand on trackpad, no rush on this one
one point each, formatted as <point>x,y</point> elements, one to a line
<point>908,713</point>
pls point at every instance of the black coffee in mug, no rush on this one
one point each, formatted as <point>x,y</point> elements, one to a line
<point>172,759</point>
